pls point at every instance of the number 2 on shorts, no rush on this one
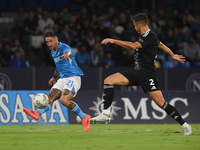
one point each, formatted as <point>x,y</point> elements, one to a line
<point>151,82</point>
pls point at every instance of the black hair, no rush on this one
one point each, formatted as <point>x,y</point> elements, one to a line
<point>141,17</point>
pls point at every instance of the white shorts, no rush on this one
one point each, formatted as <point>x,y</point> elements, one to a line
<point>72,84</point>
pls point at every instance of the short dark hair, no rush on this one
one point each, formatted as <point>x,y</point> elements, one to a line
<point>50,34</point>
<point>141,18</point>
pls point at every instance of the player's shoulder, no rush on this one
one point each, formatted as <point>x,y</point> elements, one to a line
<point>65,46</point>
<point>153,33</point>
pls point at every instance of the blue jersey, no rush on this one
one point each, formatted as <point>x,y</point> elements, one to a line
<point>66,67</point>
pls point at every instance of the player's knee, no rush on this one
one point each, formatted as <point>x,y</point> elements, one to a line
<point>107,81</point>
<point>65,100</point>
<point>62,99</point>
<point>51,100</point>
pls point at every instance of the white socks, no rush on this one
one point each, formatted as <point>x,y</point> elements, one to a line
<point>184,125</point>
<point>106,111</point>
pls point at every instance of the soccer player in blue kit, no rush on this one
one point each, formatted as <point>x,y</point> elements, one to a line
<point>69,83</point>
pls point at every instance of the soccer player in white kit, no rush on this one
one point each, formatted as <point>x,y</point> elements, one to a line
<point>69,82</point>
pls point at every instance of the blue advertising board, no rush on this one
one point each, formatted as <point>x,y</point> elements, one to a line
<point>127,107</point>
<point>11,109</point>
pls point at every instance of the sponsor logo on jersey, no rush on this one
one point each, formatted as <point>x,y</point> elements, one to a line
<point>57,59</point>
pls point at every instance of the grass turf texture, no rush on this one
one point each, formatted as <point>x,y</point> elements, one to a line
<point>99,137</point>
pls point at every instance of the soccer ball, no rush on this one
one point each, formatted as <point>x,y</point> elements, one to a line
<point>78,119</point>
<point>41,100</point>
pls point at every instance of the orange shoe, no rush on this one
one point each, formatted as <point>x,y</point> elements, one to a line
<point>86,123</point>
<point>32,113</point>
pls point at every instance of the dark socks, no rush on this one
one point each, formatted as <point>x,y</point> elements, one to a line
<point>172,112</point>
<point>108,95</point>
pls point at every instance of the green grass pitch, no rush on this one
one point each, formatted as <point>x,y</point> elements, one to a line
<point>99,137</point>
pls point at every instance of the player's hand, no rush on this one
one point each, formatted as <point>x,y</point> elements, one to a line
<point>52,81</point>
<point>179,58</point>
<point>107,41</point>
<point>64,56</point>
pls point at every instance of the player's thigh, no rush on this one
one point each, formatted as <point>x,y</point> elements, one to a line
<point>72,84</point>
<point>157,97</point>
<point>54,94</point>
<point>116,79</point>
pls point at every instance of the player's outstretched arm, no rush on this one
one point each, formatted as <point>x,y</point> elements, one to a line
<point>67,54</point>
<point>124,44</point>
<point>179,58</point>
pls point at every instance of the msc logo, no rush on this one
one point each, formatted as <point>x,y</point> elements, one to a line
<point>193,82</point>
<point>98,108</point>
<point>5,83</point>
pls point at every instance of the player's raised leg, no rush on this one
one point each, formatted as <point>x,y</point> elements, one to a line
<point>108,96</point>
<point>53,95</point>
<point>66,101</point>
<point>170,110</point>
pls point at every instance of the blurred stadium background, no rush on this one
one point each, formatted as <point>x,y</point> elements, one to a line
<point>26,65</point>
